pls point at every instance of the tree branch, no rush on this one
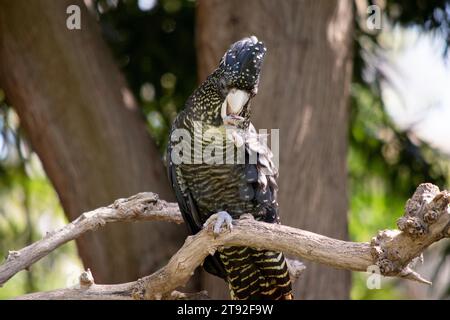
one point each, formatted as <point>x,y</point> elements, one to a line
<point>141,207</point>
<point>88,290</point>
<point>426,220</point>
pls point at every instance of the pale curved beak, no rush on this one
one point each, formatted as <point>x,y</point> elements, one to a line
<point>234,102</point>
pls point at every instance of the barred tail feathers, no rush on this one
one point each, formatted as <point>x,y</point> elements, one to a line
<point>256,274</point>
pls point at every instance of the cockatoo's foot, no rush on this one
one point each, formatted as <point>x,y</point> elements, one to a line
<point>223,218</point>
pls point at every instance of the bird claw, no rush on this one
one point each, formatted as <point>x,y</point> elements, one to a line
<point>223,218</point>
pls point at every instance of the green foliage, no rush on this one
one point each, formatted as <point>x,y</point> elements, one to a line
<point>385,168</point>
<point>388,289</point>
<point>386,165</point>
<point>29,208</point>
<point>430,14</point>
<point>156,51</point>
<point>25,216</point>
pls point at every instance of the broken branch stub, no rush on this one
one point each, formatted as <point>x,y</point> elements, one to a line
<point>424,222</point>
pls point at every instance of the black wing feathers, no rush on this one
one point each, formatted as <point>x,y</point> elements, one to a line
<point>188,208</point>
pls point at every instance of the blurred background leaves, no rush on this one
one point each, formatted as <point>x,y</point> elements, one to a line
<point>29,207</point>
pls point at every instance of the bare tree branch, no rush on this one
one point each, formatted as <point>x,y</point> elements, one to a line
<point>426,220</point>
<point>140,207</point>
<point>88,290</point>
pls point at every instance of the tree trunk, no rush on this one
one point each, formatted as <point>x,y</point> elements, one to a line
<point>304,92</point>
<point>84,124</point>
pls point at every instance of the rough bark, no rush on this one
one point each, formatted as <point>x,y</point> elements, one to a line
<point>84,124</point>
<point>304,92</point>
<point>145,206</point>
<point>141,207</point>
<point>394,252</point>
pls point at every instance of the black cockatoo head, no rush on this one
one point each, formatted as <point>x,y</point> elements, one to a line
<point>242,63</point>
<point>239,72</point>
